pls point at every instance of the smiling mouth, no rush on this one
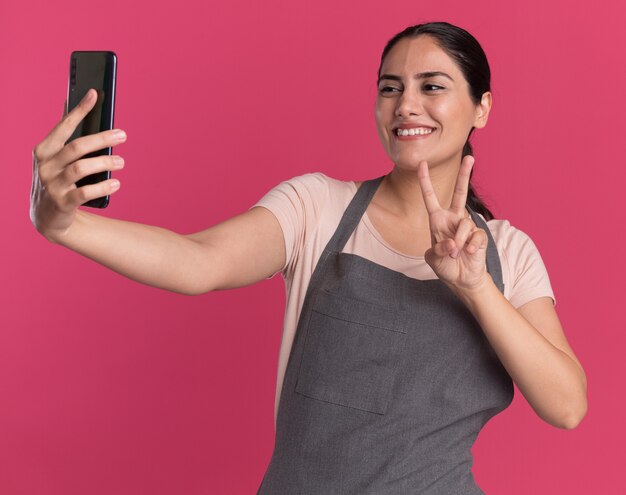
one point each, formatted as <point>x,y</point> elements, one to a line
<point>414,131</point>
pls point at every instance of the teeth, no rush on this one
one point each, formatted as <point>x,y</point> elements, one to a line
<point>413,132</point>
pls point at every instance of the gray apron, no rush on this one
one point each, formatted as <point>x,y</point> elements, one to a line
<point>388,383</point>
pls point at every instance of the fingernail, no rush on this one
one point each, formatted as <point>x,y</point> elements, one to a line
<point>115,184</point>
<point>118,161</point>
<point>119,134</point>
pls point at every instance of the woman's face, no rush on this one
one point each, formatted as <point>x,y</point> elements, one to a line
<point>423,96</point>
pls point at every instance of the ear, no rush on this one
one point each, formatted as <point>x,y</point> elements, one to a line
<point>482,110</point>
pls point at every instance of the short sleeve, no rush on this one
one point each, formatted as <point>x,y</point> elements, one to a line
<point>527,278</point>
<point>297,204</point>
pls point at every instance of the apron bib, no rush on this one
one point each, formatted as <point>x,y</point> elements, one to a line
<point>388,383</point>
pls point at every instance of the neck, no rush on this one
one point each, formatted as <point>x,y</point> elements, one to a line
<point>403,195</point>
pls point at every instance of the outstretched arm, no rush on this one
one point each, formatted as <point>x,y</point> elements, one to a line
<point>529,341</point>
<point>240,251</point>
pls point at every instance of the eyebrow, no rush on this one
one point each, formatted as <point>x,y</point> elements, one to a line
<point>419,75</point>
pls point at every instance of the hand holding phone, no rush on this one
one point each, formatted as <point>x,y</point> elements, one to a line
<point>58,167</point>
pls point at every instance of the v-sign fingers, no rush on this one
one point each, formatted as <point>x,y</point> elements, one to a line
<point>428,193</point>
<point>461,187</point>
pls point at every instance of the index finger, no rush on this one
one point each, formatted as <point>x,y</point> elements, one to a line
<point>428,193</point>
<point>459,198</point>
<point>61,132</point>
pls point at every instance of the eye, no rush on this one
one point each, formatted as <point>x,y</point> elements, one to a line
<point>388,90</point>
<point>432,87</point>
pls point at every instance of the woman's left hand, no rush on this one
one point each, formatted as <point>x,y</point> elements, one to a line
<point>459,248</point>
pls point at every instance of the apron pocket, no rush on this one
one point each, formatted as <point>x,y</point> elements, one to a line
<point>351,352</point>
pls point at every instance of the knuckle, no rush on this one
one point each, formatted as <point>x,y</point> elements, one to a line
<point>480,235</point>
<point>75,147</point>
<point>44,175</point>
<point>78,168</point>
<point>38,152</point>
<point>82,194</point>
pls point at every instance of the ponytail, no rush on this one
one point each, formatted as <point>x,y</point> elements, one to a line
<point>473,201</point>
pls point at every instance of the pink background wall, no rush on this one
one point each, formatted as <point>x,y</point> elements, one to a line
<point>110,387</point>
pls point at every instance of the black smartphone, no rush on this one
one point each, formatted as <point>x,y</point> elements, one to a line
<point>97,70</point>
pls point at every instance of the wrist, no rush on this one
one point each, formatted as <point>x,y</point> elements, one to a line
<point>472,295</point>
<point>65,237</point>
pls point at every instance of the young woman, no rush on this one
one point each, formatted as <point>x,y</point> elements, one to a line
<point>410,310</point>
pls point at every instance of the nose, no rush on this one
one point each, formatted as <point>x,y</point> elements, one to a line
<point>409,103</point>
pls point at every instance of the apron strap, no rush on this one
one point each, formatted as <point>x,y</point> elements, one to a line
<point>494,267</point>
<point>350,219</point>
<point>353,214</point>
